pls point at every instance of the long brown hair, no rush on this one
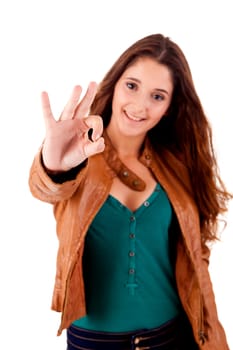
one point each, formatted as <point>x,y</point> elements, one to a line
<point>185,130</point>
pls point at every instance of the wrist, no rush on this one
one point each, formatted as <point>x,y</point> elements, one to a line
<point>51,171</point>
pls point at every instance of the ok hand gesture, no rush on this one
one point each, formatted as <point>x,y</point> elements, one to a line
<point>66,143</point>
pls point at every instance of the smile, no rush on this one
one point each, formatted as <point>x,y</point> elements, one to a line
<point>131,117</point>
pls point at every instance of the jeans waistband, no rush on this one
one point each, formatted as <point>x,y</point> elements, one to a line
<point>175,334</point>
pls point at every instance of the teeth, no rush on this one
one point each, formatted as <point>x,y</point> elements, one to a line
<point>134,118</point>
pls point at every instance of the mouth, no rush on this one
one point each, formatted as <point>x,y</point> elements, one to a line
<point>133,117</point>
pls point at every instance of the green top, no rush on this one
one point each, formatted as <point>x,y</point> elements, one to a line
<point>129,281</point>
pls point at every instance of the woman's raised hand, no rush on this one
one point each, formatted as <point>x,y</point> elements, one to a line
<point>66,143</point>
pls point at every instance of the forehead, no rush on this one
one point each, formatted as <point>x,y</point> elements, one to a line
<point>146,68</point>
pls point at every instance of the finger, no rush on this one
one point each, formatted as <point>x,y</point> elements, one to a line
<point>72,104</point>
<point>94,147</point>
<point>95,123</point>
<point>46,108</point>
<point>85,104</point>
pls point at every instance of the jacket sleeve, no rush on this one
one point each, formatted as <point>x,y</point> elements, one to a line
<point>53,188</point>
<point>214,326</point>
<point>205,253</point>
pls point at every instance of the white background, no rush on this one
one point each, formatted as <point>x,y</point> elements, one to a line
<point>52,45</point>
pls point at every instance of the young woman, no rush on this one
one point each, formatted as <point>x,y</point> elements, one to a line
<point>132,175</point>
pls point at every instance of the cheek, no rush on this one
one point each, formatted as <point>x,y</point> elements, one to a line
<point>118,100</point>
<point>114,102</point>
<point>158,113</point>
<point>156,119</point>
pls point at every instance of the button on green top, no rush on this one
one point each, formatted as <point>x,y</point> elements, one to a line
<point>129,281</point>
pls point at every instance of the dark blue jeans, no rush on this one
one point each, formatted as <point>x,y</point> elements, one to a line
<point>173,335</point>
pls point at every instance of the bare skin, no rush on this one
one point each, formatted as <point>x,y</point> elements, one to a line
<point>128,197</point>
<point>141,98</point>
<point>66,142</point>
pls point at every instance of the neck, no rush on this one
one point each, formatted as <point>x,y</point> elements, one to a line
<point>126,147</point>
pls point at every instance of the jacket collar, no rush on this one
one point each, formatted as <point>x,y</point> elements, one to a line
<point>126,175</point>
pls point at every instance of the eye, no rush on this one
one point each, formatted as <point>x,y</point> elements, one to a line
<point>158,97</point>
<point>131,86</point>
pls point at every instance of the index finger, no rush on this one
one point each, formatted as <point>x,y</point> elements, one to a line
<point>86,102</point>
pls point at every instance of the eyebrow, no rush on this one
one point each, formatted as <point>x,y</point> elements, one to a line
<point>139,81</point>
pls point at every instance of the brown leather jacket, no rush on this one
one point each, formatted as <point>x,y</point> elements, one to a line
<point>76,202</point>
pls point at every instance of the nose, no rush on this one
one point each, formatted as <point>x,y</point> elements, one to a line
<point>141,104</point>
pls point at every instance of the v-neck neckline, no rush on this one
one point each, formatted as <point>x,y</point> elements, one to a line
<point>118,204</point>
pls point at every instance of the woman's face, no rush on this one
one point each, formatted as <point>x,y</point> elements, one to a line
<point>141,97</point>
